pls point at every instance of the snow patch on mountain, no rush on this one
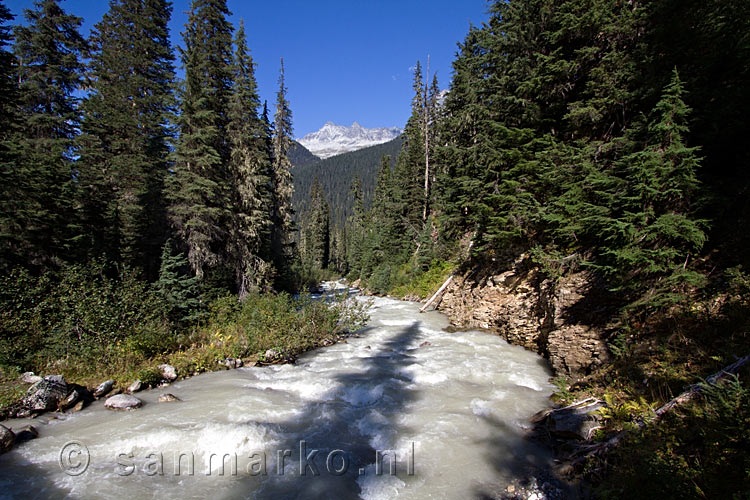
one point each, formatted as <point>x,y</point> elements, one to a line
<point>332,139</point>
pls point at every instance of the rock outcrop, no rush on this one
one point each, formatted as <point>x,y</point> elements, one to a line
<point>557,319</point>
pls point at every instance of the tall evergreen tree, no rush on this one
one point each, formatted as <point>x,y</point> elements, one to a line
<point>655,231</point>
<point>410,169</point>
<point>317,228</point>
<point>250,164</point>
<point>282,181</point>
<point>355,231</point>
<point>49,50</point>
<point>200,189</point>
<point>126,131</point>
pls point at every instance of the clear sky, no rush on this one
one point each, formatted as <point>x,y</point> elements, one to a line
<point>345,60</point>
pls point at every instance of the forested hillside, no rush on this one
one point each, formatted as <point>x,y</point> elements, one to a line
<point>336,175</point>
<point>300,156</point>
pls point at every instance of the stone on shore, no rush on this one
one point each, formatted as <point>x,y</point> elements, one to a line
<point>46,394</point>
<point>30,378</point>
<point>168,372</point>
<point>104,388</point>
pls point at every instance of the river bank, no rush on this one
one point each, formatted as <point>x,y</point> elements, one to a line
<point>263,329</point>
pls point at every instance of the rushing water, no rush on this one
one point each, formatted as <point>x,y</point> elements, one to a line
<point>451,407</point>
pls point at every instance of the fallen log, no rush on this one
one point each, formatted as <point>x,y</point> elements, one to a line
<point>437,294</point>
<point>692,391</point>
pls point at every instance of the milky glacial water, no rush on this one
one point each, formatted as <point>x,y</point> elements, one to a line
<point>451,408</point>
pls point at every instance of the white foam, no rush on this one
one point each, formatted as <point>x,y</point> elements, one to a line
<point>481,407</point>
<point>378,487</point>
<point>525,381</point>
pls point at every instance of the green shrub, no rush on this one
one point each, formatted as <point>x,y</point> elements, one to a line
<point>424,284</point>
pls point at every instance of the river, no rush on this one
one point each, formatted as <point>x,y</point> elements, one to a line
<point>451,408</point>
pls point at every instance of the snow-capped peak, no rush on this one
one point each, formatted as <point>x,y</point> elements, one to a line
<point>334,139</point>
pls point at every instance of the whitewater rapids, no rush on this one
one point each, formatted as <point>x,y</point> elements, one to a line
<point>451,408</point>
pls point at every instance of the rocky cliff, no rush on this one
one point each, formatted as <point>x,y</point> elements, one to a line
<point>563,319</point>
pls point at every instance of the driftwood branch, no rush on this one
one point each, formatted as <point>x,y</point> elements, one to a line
<point>437,294</point>
<point>680,400</point>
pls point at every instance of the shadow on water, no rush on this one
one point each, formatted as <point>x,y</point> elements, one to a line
<point>375,395</point>
<point>38,482</point>
<point>522,458</point>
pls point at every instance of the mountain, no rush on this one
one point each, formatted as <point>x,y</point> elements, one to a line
<point>332,139</point>
<point>336,175</point>
<point>301,156</point>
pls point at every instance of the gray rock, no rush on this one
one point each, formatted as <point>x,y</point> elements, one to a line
<point>45,394</point>
<point>70,401</point>
<point>271,354</point>
<point>22,413</point>
<point>232,363</point>
<point>78,407</point>
<point>168,398</point>
<point>104,388</point>
<point>7,438</point>
<point>123,402</point>
<point>168,372</point>
<point>135,386</point>
<point>30,378</point>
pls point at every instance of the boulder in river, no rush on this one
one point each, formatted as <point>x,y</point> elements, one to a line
<point>123,402</point>
<point>135,386</point>
<point>7,438</point>
<point>168,372</point>
<point>30,378</point>
<point>104,388</point>
<point>168,398</point>
<point>45,394</point>
<point>26,433</point>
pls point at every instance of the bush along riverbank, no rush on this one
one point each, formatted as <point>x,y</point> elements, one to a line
<point>86,328</point>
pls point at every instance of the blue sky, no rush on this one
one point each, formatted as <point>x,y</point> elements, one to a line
<point>345,61</point>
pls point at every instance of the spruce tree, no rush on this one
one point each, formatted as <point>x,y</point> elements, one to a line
<point>655,230</point>
<point>250,165</point>
<point>410,170</point>
<point>355,231</point>
<point>126,132</point>
<point>200,189</point>
<point>320,239</point>
<point>282,215</point>
<point>49,50</point>
<point>176,287</point>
